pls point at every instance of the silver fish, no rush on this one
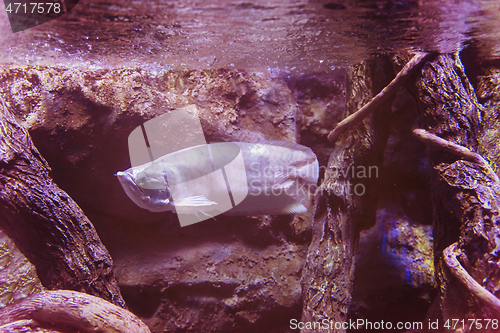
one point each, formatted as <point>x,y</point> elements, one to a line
<point>262,178</point>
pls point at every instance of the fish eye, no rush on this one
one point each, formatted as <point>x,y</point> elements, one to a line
<point>141,179</point>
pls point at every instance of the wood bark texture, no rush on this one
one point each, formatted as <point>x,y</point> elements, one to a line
<point>68,311</point>
<point>466,194</point>
<point>327,277</point>
<point>45,223</point>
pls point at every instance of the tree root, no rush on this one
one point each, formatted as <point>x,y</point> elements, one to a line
<point>46,224</point>
<point>380,98</point>
<point>63,309</point>
<point>453,148</point>
<point>450,255</point>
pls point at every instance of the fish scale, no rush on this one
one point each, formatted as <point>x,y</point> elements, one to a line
<point>280,177</point>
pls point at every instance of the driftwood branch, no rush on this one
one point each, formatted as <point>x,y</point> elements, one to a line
<point>450,255</point>
<point>45,223</point>
<point>465,194</point>
<point>458,150</point>
<point>24,326</point>
<point>67,310</point>
<point>328,273</point>
<point>380,98</point>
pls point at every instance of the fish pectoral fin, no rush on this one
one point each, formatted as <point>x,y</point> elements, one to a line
<point>196,201</point>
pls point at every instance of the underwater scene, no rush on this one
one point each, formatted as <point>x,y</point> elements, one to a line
<point>246,166</point>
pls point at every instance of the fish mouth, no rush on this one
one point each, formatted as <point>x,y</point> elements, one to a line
<point>131,189</point>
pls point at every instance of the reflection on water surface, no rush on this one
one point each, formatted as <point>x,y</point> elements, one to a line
<point>295,35</point>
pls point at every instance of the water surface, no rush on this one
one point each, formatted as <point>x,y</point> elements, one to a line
<point>284,35</point>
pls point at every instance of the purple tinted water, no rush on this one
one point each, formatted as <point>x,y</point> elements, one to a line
<point>284,35</point>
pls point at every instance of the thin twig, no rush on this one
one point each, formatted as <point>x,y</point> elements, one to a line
<point>453,148</point>
<point>380,98</point>
<point>450,255</point>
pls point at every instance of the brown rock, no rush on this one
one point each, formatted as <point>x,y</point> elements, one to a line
<point>244,271</point>
<point>18,278</point>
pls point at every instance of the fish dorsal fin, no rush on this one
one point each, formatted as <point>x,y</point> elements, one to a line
<point>196,201</point>
<point>286,144</point>
<point>281,180</point>
<point>297,188</point>
<point>297,208</point>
